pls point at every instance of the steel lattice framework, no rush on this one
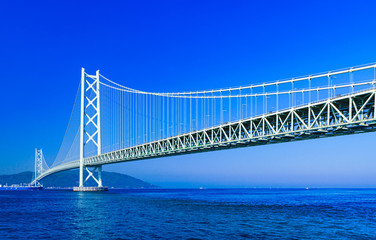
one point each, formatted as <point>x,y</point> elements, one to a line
<point>338,116</point>
<point>342,115</point>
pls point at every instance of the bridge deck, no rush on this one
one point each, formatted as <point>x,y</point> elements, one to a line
<point>343,115</point>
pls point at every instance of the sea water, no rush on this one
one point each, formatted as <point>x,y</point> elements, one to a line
<point>190,214</point>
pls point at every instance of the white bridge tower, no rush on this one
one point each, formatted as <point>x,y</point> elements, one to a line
<point>90,128</point>
<point>38,165</point>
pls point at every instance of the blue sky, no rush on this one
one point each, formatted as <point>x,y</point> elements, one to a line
<point>182,45</point>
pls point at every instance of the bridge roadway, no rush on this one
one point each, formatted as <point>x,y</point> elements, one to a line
<point>342,115</point>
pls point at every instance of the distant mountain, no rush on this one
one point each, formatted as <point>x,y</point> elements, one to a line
<point>24,177</point>
<point>70,179</point>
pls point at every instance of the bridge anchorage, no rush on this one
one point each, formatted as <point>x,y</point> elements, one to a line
<point>113,123</point>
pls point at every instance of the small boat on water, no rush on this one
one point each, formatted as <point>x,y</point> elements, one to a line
<point>20,187</point>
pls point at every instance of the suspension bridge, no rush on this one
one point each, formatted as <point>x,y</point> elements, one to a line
<point>112,123</point>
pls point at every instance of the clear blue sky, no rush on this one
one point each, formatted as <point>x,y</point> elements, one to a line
<point>182,45</point>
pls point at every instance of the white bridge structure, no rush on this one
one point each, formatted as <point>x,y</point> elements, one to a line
<point>112,123</point>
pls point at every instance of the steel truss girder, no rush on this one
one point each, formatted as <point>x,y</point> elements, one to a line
<point>349,114</point>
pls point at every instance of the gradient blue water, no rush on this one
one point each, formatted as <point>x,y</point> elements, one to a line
<point>190,214</point>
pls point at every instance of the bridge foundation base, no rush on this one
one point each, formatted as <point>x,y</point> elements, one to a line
<point>90,189</point>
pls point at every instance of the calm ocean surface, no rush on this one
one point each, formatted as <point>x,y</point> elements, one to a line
<point>190,214</point>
